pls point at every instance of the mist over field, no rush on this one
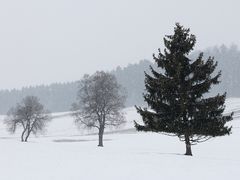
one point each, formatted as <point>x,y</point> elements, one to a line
<point>58,97</point>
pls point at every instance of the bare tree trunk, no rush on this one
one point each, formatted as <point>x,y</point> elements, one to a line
<point>22,136</point>
<point>100,136</point>
<point>28,134</point>
<point>188,146</point>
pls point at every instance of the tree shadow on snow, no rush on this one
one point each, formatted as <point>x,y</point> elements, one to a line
<point>77,140</point>
<point>159,153</point>
<point>8,138</point>
<point>175,154</point>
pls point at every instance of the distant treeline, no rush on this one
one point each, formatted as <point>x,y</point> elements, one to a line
<point>58,97</point>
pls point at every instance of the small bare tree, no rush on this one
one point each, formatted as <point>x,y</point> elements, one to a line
<point>30,115</point>
<point>100,101</point>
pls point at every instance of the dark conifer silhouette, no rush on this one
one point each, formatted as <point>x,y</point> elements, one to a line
<point>176,94</point>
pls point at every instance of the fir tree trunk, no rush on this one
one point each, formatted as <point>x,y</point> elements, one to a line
<point>188,146</point>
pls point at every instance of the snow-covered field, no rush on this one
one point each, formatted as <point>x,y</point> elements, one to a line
<point>66,153</point>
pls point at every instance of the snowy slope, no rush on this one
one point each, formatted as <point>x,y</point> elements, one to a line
<point>65,153</point>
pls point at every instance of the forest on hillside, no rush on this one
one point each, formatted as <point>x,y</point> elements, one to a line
<point>58,97</point>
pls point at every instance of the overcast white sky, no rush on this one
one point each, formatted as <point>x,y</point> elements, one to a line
<point>45,41</point>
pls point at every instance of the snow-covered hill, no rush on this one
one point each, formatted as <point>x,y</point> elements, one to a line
<point>65,152</point>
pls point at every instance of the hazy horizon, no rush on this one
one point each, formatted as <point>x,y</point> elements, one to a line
<point>43,42</point>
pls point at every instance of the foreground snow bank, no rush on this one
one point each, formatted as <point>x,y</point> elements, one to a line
<point>65,153</point>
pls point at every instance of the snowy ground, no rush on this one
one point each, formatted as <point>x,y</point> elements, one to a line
<point>65,153</point>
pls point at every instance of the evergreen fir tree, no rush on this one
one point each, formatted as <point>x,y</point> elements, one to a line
<point>176,94</point>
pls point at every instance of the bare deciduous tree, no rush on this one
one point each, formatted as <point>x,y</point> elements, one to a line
<point>100,101</point>
<point>30,115</point>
